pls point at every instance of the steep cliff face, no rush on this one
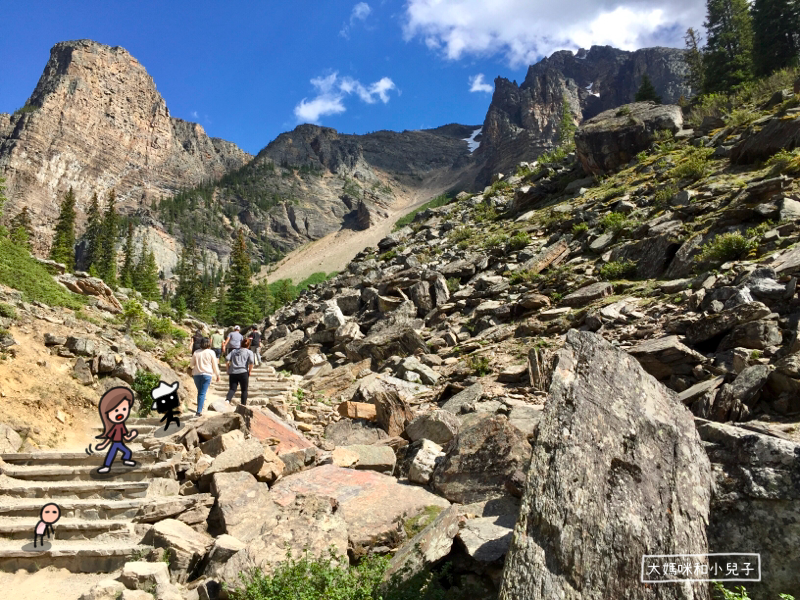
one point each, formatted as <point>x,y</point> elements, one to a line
<point>95,122</point>
<point>522,120</point>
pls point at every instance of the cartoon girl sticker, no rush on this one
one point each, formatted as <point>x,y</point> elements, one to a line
<point>115,407</point>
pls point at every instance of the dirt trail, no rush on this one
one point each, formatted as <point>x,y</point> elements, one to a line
<point>335,250</point>
<point>50,583</point>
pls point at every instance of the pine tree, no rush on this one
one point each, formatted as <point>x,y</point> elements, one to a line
<point>566,127</point>
<point>776,27</point>
<point>107,244</point>
<point>128,265</point>
<point>94,227</point>
<point>145,274</point>
<point>694,59</point>
<point>728,56</point>
<point>219,304</point>
<point>239,306</point>
<point>21,228</point>
<point>263,298</point>
<point>647,91</point>
<point>63,250</point>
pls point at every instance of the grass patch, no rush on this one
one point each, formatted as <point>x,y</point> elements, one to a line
<point>496,240</point>
<point>453,284</point>
<point>7,311</point>
<point>436,202</point>
<point>784,162</point>
<point>388,255</point>
<point>579,229</point>
<point>519,240</point>
<point>19,270</point>
<point>727,246</point>
<point>523,276</point>
<point>479,365</point>
<point>663,195</point>
<point>416,524</point>
<point>616,222</point>
<point>461,234</point>
<point>498,187</point>
<point>617,269</point>
<point>693,165</point>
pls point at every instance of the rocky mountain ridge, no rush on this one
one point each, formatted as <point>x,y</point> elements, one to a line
<point>522,120</point>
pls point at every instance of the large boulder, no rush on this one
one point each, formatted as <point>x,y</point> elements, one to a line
<point>348,432</point>
<point>439,426</point>
<point>610,140</point>
<point>666,356</point>
<point>309,524</point>
<point>777,134</point>
<point>374,506</point>
<point>390,397</point>
<point>756,503</point>
<point>396,340</point>
<point>618,471</point>
<point>10,440</point>
<point>91,286</point>
<point>247,456</point>
<point>243,505</point>
<point>484,455</point>
<point>186,546</point>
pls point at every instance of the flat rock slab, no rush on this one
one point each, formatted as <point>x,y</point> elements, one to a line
<point>371,458</point>
<point>666,356</point>
<point>265,425</point>
<point>373,505</point>
<point>588,294</point>
<point>487,539</point>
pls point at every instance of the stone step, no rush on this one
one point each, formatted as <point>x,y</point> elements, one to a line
<point>89,510</point>
<point>67,458</point>
<point>78,556</point>
<point>72,489</point>
<point>21,528</point>
<point>85,473</point>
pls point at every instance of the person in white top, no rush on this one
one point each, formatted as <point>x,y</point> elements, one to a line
<point>204,366</point>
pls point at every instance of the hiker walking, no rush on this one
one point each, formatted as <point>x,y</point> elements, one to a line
<point>234,341</point>
<point>239,365</point>
<point>204,367</point>
<point>216,342</point>
<point>255,342</point>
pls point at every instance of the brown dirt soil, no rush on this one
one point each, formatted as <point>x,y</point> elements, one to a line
<point>49,583</point>
<point>39,397</point>
<point>333,252</point>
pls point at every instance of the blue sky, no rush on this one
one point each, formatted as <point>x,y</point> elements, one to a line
<point>248,71</point>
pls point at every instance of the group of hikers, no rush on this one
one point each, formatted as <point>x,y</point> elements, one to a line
<point>240,352</point>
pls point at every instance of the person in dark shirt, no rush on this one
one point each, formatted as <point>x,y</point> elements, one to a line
<point>255,342</point>
<point>115,408</point>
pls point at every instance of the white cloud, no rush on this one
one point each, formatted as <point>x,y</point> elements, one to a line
<point>477,84</point>
<point>195,115</point>
<point>525,30</point>
<point>331,92</point>
<point>360,12</point>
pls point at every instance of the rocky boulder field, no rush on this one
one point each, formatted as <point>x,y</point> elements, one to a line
<point>527,389</point>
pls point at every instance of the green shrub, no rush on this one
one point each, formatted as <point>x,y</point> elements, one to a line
<point>642,156</point>
<point>784,162</point>
<point>616,269</point>
<point>615,222</point>
<point>742,116</point>
<point>453,284</point>
<point>710,105</point>
<point>144,342</point>
<point>7,311</point>
<point>19,270</point>
<point>495,240</point>
<point>133,315</point>
<point>159,328</point>
<point>663,195</point>
<point>497,187</point>
<point>28,108</point>
<point>523,276</point>
<point>388,255</point>
<point>479,365</point>
<point>694,165</point>
<point>613,193</point>
<point>436,202</point>
<point>176,333</point>
<point>623,111</point>
<point>727,246</point>
<point>144,383</point>
<point>579,229</point>
<point>460,234</point>
<point>519,240</point>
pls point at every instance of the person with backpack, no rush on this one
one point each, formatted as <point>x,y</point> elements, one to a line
<point>197,340</point>
<point>234,340</point>
<point>255,342</point>
<point>204,368</point>
<point>239,365</point>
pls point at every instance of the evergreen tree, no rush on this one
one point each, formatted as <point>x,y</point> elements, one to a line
<point>94,227</point>
<point>263,298</point>
<point>776,27</point>
<point>728,56</point>
<point>128,265</point>
<point>219,305</point>
<point>21,228</point>
<point>63,250</point>
<point>107,244</point>
<point>145,273</point>
<point>647,91</point>
<point>694,59</point>
<point>566,127</point>
<point>239,306</point>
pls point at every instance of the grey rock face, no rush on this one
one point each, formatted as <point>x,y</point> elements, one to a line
<point>611,139</point>
<point>481,458</point>
<point>617,461</point>
<point>756,503</point>
<point>439,426</point>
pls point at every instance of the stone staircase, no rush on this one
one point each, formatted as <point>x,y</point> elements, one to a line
<point>267,387</point>
<point>98,530</point>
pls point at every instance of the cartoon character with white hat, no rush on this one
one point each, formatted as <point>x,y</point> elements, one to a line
<point>165,401</point>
